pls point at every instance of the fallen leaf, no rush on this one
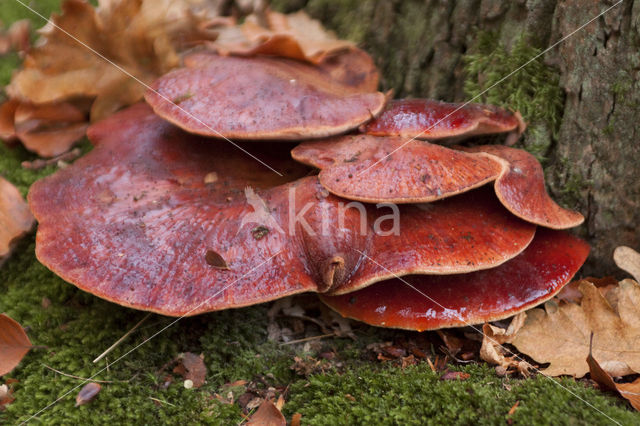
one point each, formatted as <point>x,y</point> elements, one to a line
<point>142,37</point>
<point>295,36</point>
<point>88,393</point>
<point>15,217</point>
<point>14,344</point>
<point>49,129</point>
<point>267,415</point>
<point>494,353</point>
<point>7,114</point>
<point>296,419</point>
<point>560,335</point>
<point>629,391</point>
<point>455,375</point>
<point>628,260</point>
<point>192,369</point>
<point>6,396</point>
<point>571,292</point>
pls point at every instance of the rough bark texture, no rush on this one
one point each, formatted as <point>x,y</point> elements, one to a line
<point>428,48</point>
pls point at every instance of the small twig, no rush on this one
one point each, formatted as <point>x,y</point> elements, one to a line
<point>120,340</point>
<point>161,401</point>
<point>306,339</point>
<point>42,163</point>
<point>77,377</point>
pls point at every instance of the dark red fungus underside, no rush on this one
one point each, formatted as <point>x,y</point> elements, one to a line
<point>392,169</point>
<point>430,302</point>
<point>157,219</point>
<point>430,119</point>
<point>521,188</point>
<point>260,98</point>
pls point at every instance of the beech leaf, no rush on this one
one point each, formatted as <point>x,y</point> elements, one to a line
<point>628,260</point>
<point>88,393</point>
<point>559,334</point>
<point>14,344</point>
<point>629,391</point>
<point>294,36</point>
<point>192,368</point>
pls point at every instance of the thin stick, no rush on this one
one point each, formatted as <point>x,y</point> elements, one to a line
<point>120,340</point>
<point>306,339</point>
<point>77,377</point>
<point>161,401</point>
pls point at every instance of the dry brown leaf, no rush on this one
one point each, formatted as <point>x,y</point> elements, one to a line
<point>629,391</point>
<point>15,217</point>
<point>628,260</point>
<point>494,353</point>
<point>6,396</point>
<point>560,335</point>
<point>267,415</point>
<point>192,368</point>
<point>295,36</point>
<point>142,37</point>
<point>49,129</point>
<point>88,393</point>
<point>14,344</point>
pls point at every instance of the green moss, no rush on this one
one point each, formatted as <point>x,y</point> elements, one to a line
<point>70,328</point>
<point>416,395</point>
<point>533,90</point>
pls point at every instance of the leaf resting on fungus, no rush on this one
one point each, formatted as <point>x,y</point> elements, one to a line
<point>14,344</point>
<point>294,36</point>
<point>133,220</point>
<point>560,334</point>
<point>15,217</point>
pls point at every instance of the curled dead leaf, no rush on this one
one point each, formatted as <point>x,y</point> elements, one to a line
<point>494,353</point>
<point>143,38</point>
<point>559,335</point>
<point>14,344</point>
<point>629,391</point>
<point>294,36</point>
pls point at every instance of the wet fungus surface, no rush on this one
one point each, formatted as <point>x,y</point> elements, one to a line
<point>262,98</point>
<point>423,302</point>
<point>157,219</point>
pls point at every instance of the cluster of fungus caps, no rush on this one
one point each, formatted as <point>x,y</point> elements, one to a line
<point>246,179</point>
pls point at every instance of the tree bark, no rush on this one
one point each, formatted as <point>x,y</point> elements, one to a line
<point>591,150</point>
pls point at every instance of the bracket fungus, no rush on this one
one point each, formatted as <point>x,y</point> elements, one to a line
<point>423,302</point>
<point>163,215</point>
<point>136,222</point>
<point>260,98</point>
<point>428,119</point>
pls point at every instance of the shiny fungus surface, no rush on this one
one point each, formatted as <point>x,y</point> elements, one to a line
<point>423,302</point>
<point>260,98</point>
<point>430,119</point>
<point>157,219</point>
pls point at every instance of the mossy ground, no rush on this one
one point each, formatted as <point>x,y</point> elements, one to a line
<point>70,328</point>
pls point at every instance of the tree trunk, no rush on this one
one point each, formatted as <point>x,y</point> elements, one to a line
<point>581,98</point>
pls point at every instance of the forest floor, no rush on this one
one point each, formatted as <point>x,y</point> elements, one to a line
<point>331,380</point>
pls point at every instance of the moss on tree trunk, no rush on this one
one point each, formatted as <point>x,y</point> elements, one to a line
<point>581,98</point>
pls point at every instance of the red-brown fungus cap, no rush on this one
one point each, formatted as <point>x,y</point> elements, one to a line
<point>259,98</point>
<point>392,169</point>
<point>157,219</point>
<point>430,119</point>
<point>520,188</point>
<point>431,302</point>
